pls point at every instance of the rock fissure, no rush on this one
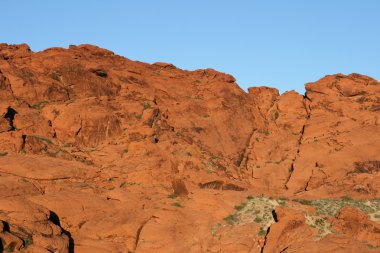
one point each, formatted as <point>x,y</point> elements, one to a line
<point>246,146</point>
<point>80,128</point>
<point>138,233</point>
<point>23,138</point>
<point>265,240</point>
<point>6,82</point>
<point>307,183</point>
<point>40,179</point>
<point>68,94</point>
<point>122,137</point>
<point>152,121</point>
<point>300,139</point>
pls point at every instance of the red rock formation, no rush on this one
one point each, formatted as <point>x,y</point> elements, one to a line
<point>99,153</point>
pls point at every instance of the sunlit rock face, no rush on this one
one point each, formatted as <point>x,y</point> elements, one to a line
<point>99,153</point>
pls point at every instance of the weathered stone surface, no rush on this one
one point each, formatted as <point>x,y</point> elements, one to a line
<point>99,153</point>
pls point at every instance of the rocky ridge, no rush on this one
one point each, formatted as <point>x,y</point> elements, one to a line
<point>99,153</point>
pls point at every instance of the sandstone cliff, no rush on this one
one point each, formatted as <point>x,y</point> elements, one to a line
<point>99,153</point>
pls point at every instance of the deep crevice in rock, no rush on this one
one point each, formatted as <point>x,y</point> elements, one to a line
<point>138,233</point>
<point>10,115</point>
<point>80,128</point>
<point>308,181</point>
<point>243,152</point>
<point>23,143</point>
<point>306,97</point>
<point>291,169</point>
<point>5,226</point>
<point>154,117</point>
<point>55,220</point>
<point>265,240</point>
<point>274,215</point>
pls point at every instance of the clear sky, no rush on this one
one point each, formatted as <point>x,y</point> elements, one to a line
<point>283,43</point>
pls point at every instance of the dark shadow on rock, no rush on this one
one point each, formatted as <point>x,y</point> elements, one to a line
<point>5,226</point>
<point>5,229</point>
<point>10,115</point>
<point>274,215</point>
<point>55,219</point>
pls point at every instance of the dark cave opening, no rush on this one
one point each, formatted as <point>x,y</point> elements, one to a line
<point>10,115</point>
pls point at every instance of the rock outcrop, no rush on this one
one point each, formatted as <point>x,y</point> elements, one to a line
<point>99,153</point>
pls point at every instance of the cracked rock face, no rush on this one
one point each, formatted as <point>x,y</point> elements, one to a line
<point>26,226</point>
<point>99,153</point>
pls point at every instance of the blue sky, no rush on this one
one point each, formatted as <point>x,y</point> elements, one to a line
<point>283,43</point>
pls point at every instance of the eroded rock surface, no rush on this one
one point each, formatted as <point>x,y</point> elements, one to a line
<point>99,153</point>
